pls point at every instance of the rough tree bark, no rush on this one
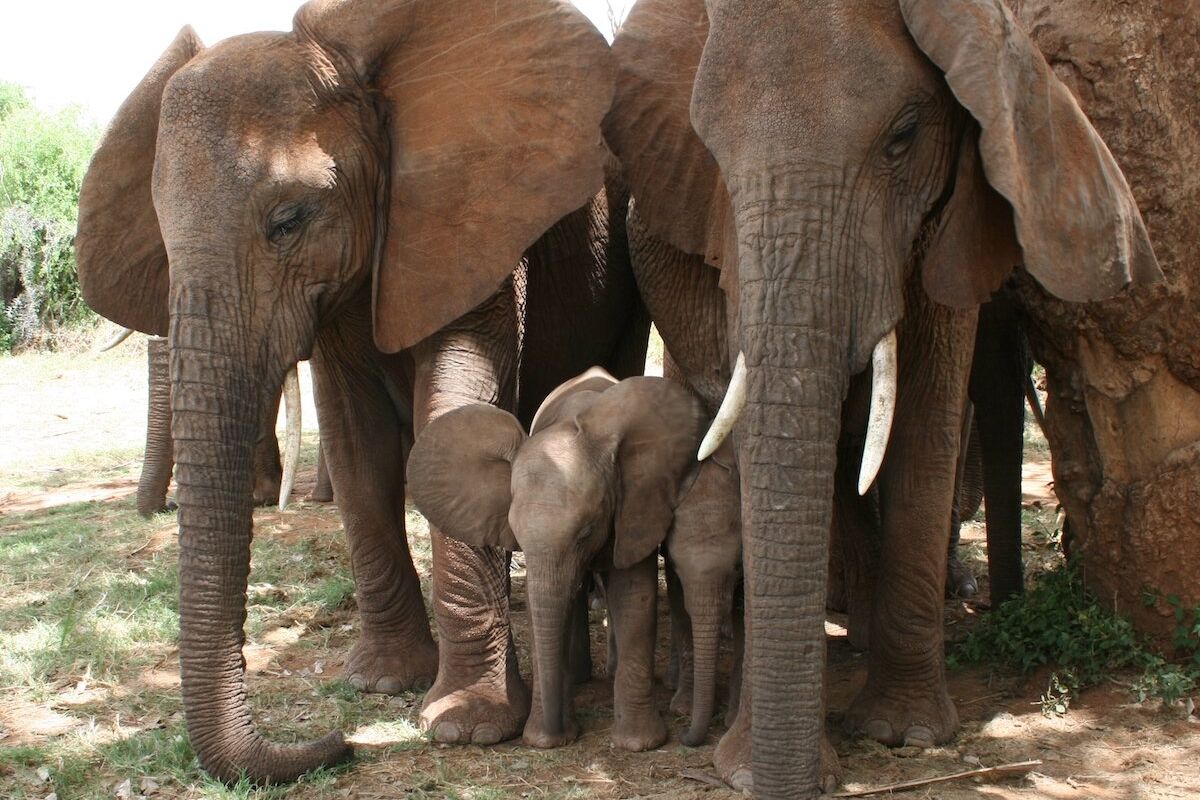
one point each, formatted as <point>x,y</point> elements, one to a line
<point>1123,412</point>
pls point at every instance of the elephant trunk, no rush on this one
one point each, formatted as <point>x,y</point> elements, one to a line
<point>217,401</point>
<point>706,611</point>
<point>550,605</point>
<point>794,326</point>
<point>158,461</point>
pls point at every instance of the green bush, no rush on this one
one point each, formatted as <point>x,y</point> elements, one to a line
<point>43,158</point>
<point>1059,623</point>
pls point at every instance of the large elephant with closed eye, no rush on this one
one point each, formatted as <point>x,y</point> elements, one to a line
<point>864,174</point>
<point>359,190</point>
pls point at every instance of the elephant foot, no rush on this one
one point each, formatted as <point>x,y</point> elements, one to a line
<point>320,495</point>
<point>638,731</point>
<point>905,718</point>
<point>536,734</point>
<point>476,700</point>
<point>391,666</point>
<point>681,701</point>
<point>959,580</point>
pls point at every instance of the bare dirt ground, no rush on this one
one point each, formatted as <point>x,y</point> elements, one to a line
<point>96,724</point>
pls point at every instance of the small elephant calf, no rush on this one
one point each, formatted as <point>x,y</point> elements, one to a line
<point>596,486</point>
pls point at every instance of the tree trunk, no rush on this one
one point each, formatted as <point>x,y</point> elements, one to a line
<point>1123,412</point>
<point>158,461</point>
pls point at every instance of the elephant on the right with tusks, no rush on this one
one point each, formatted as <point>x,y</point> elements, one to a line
<point>863,175</point>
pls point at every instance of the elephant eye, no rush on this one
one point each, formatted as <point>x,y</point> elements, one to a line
<point>902,137</point>
<point>285,221</point>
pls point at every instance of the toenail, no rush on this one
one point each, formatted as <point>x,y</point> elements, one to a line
<point>486,734</point>
<point>879,730</point>
<point>422,685</point>
<point>918,736</point>
<point>389,685</point>
<point>742,780</point>
<point>446,732</point>
<point>357,682</point>
<point>831,784</point>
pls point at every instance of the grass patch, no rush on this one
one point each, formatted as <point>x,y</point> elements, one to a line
<point>1059,623</point>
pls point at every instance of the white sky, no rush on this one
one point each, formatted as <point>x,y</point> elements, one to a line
<point>92,53</point>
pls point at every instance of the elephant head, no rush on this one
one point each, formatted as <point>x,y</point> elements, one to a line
<point>600,475</point>
<point>385,157</point>
<point>821,154</point>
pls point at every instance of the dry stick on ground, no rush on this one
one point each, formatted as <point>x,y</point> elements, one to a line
<point>1018,769</point>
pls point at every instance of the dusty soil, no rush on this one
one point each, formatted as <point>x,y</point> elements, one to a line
<point>1105,747</point>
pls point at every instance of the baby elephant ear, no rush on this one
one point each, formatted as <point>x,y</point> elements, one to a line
<point>654,426</point>
<point>119,250</point>
<point>1075,217</point>
<point>460,472</point>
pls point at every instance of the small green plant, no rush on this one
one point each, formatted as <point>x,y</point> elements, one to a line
<point>1058,622</point>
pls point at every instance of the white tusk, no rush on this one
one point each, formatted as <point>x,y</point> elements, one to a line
<point>883,410</point>
<point>291,446</point>
<point>728,413</point>
<point>116,340</point>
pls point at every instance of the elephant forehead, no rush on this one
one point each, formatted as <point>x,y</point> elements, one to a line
<point>251,106</point>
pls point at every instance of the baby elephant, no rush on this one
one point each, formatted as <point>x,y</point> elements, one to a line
<point>594,487</point>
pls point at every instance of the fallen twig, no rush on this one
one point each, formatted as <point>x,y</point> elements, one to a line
<point>1017,769</point>
<point>701,776</point>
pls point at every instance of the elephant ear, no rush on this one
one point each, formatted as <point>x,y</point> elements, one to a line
<point>1075,217</point>
<point>493,116</point>
<point>654,426</point>
<point>119,251</point>
<point>460,474</point>
<point>681,196</point>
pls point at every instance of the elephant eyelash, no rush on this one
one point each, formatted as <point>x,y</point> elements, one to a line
<point>901,139</point>
<point>285,221</point>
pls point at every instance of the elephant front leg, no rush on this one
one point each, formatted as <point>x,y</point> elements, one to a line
<point>632,598</point>
<point>395,651</point>
<point>905,700</point>
<point>479,696</point>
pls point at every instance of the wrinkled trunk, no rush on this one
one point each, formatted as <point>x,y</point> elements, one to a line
<point>550,606</point>
<point>711,603</point>
<point>217,401</point>
<point>158,461</point>
<point>793,334</point>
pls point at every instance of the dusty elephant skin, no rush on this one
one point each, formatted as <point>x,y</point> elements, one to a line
<point>357,190</point>
<point>883,177</point>
<point>595,486</point>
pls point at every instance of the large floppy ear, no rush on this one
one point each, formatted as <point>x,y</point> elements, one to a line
<point>1075,217</point>
<point>681,196</point>
<point>493,116</point>
<point>460,474</point>
<point>654,426</point>
<point>119,251</point>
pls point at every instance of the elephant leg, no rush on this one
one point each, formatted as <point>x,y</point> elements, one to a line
<point>856,529</point>
<point>905,699</point>
<point>159,460</point>
<point>479,696</point>
<point>959,580</point>
<point>323,491</point>
<point>632,599</point>
<point>579,653</point>
<point>395,650</point>
<point>268,469</point>
<point>998,377</point>
<point>738,623</point>
<point>681,661</point>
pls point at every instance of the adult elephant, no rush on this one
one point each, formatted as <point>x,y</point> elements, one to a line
<point>864,175</point>
<point>357,191</point>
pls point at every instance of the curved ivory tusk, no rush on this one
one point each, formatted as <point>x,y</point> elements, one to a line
<point>116,340</point>
<point>291,447</point>
<point>728,413</point>
<point>883,409</point>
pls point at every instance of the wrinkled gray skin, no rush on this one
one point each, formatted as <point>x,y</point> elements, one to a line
<point>596,486</point>
<point>359,191</point>
<point>158,462</point>
<point>846,188</point>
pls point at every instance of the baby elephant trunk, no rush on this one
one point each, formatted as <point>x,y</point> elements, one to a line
<point>706,605</point>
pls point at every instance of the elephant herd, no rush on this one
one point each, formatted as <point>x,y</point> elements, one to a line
<point>466,214</point>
